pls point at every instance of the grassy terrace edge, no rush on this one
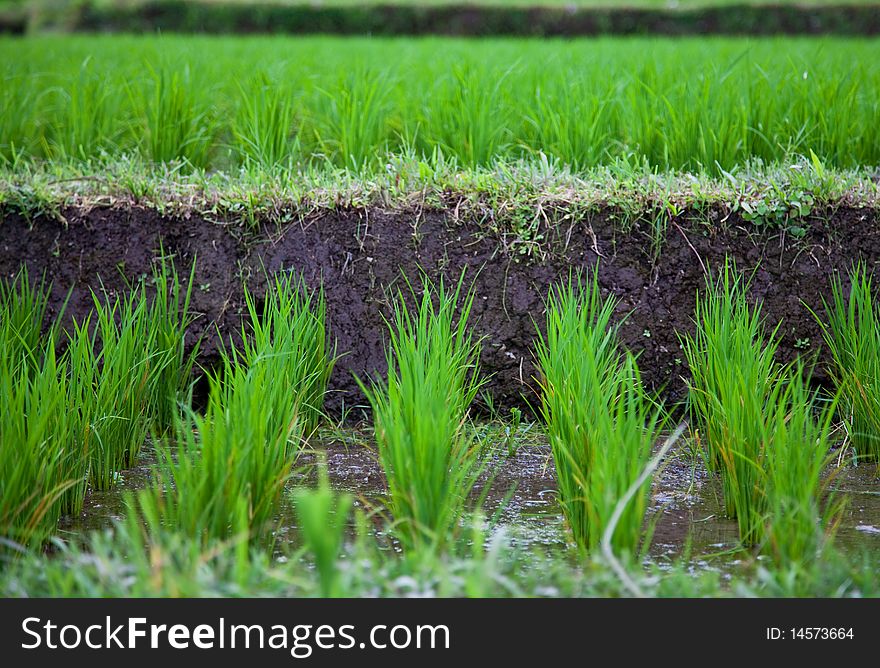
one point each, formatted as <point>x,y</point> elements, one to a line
<point>454,18</point>
<point>506,195</point>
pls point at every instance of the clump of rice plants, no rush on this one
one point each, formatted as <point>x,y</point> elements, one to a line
<point>23,308</point>
<point>761,429</point>
<point>42,472</point>
<point>733,375</point>
<point>114,366</point>
<point>169,317</point>
<point>224,472</point>
<point>796,452</point>
<point>731,359</point>
<point>601,421</point>
<point>321,515</point>
<point>177,125</point>
<point>430,460</point>
<point>290,327</point>
<point>351,126</point>
<point>853,337</point>
<point>42,466</point>
<point>264,126</point>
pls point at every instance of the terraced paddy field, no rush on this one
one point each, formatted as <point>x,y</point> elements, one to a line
<point>357,317</point>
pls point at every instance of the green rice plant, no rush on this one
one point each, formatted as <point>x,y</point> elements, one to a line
<point>168,318</point>
<point>176,124</point>
<point>581,102</point>
<point>23,309</point>
<point>42,473</point>
<point>321,517</point>
<point>760,427</point>
<point>263,130</point>
<point>853,337</point>
<point>351,128</point>
<point>290,327</point>
<point>430,460</point>
<point>795,457</point>
<point>21,130</point>
<point>731,360</point>
<point>601,421</point>
<point>471,123</point>
<point>114,384</point>
<point>222,474</point>
<point>88,116</point>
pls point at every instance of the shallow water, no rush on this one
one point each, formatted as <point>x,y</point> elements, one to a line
<point>685,511</point>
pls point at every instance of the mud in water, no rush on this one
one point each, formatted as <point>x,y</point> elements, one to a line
<point>685,516</point>
<point>360,256</point>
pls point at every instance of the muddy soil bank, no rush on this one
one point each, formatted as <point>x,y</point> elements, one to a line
<point>359,256</point>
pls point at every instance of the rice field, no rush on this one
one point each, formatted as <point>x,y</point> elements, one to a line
<point>245,331</point>
<point>220,103</point>
<point>222,475</point>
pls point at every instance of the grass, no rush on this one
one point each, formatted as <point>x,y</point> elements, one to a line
<point>761,429</point>
<point>42,470</point>
<point>321,515</point>
<point>290,331</point>
<point>852,334</point>
<point>221,474</point>
<point>114,367</point>
<point>430,460</point>
<point>127,561</point>
<point>170,317</point>
<point>601,422</point>
<point>585,103</point>
<point>513,199</point>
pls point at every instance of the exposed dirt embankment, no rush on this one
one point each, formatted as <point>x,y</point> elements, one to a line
<point>359,254</point>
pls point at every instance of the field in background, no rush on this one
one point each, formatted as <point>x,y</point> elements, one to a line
<point>222,102</point>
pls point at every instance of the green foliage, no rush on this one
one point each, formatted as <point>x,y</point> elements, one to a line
<point>601,421</point>
<point>853,337</point>
<point>114,368</point>
<point>762,429</point>
<point>290,329</point>
<point>169,318</point>
<point>321,515</point>
<point>222,474</point>
<point>430,460</point>
<point>583,103</point>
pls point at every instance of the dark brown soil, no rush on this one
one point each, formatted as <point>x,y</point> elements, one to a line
<point>359,254</point>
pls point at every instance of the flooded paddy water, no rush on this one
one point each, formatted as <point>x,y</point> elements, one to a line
<point>518,491</point>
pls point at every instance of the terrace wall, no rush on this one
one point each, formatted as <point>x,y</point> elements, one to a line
<point>358,255</point>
